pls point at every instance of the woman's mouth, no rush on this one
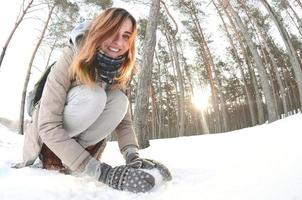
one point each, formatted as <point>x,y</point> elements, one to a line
<point>115,50</point>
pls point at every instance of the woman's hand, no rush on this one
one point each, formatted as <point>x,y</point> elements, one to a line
<point>134,161</point>
<point>126,178</point>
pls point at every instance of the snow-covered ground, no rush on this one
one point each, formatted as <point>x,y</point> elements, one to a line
<point>259,163</point>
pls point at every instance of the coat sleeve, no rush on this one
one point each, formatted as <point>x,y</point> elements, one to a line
<point>50,120</point>
<point>125,133</point>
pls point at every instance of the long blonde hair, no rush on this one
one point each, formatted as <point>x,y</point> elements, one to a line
<point>102,27</point>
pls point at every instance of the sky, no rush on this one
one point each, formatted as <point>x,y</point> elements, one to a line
<point>14,64</point>
<point>263,162</point>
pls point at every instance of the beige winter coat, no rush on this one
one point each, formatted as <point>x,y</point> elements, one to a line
<point>47,121</point>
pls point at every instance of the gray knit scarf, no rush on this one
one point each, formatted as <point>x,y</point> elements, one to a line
<point>108,68</point>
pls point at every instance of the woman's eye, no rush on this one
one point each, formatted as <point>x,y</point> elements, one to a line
<point>127,37</point>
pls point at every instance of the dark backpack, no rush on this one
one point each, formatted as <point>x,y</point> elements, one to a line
<point>34,96</point>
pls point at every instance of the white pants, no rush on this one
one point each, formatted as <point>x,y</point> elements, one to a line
<point>90,115</point>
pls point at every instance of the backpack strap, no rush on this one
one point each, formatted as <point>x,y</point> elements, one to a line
<point>35,94</point>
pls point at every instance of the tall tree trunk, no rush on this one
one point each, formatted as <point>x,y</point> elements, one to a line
<point>181,125</point>
<point>168,111</point>
<point>299,2</point>
<point>239,62</point>
<point>271,107</point>
<point>258,96</point>
<point>154,112</point>
<point>21,117</point>
<point>173,47</point>
<point>289,46</point>
<point>270,74</point>
<point>142,97</point>
<point>296,15</point>
<point>17,23</point>
<point>174,53</point>
<point>265,40</point>
<point>299,25</point>
<point>175,83</point>
<point>287,90</point>
<point>219,89</point>
<point>269,60</point>
<point>160,97</point>
<point>223,106</point>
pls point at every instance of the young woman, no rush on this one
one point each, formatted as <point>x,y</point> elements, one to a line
<point>83,102</point>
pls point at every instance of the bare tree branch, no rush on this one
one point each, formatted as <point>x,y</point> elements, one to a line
<point>167,10</point>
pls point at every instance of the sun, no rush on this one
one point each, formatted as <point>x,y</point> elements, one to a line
<point>200,97</point>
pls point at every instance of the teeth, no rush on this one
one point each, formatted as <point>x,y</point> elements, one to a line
<point>113,49</point>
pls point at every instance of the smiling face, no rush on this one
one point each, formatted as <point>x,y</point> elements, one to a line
<point>118,44</point>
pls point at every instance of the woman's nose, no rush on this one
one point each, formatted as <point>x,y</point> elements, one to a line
<point>117,39</point>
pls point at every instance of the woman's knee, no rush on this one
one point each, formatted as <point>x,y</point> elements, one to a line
<point>86,100</point>
<point>117,99</point>
<point>83,107</point>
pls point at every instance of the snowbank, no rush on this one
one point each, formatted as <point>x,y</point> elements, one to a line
<point>263,163</point>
